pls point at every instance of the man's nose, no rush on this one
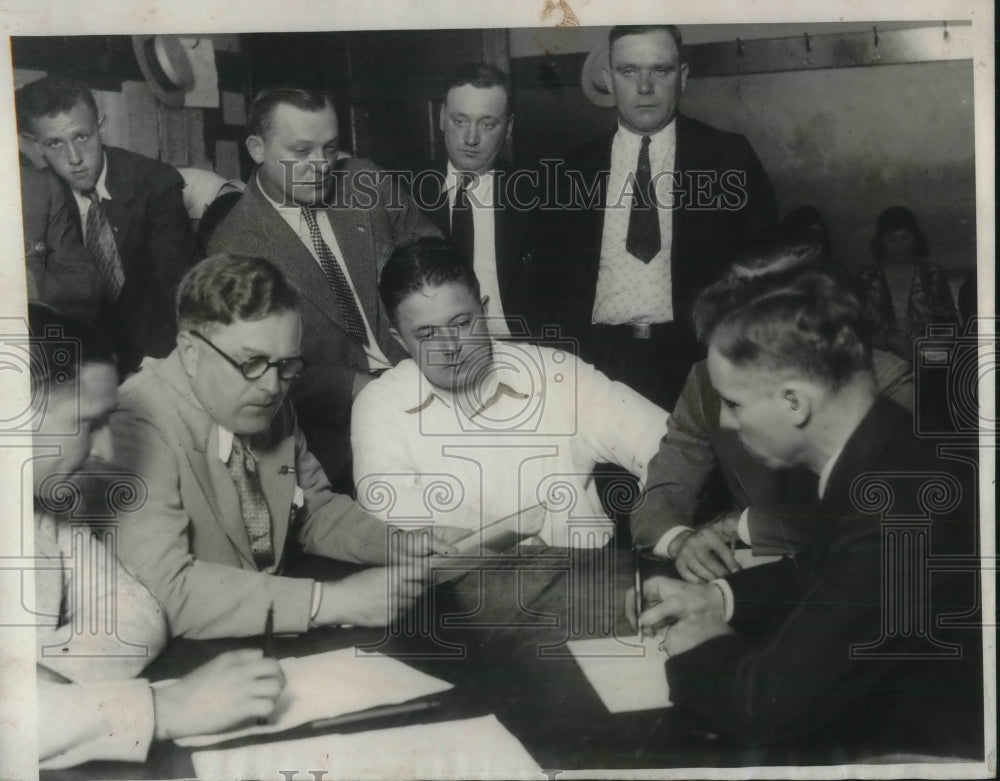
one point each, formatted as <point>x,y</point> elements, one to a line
<point>269,380</point>
<point>100,444</point>
<point>471,134</point>
<point>73,153</point>
<point>645,82</point>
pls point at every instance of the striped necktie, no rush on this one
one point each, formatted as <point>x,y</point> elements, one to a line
<point>102,246</point>
<point>253,505</point>
<point>338,280</point>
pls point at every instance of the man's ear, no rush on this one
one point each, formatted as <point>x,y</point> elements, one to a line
<point>798,402</point>
<point>484,302</point>
<point>255,146</point>
<point>684,76</point>
<point>510,127</point>
<point>608,81</point>
<point>441,118</point>
<point>189,350</point>
<point>398,338</point>
<point>100,127</point>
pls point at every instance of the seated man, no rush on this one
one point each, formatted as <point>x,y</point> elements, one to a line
<point>88,708</point>
<point>230,481</point>
<point>828,647</point>
<point>471,430</point>
<point>696,443</point>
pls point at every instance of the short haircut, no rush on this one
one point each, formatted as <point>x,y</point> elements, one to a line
<point>622,30</point>
<point>804,320</point>
<point>780,246</point>
<point>899,218</point>
<point>60,345</point>
<point>49,96</point>
<point>263,106</point>
<point>224,287</point>
<point>426,262</point>
<point>482,75</point>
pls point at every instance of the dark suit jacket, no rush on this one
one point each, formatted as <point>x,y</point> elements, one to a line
<point>60,272</point>
<point>515,231</point>
<point>369,221</point>
<point>781,503</point>
<point>704,238</point>
<point>822,650</point>
<point>157,247</point>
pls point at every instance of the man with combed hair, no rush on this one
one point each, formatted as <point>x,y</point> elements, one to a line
<point>231,482</point>
<point>653,213</point>
<point>771,509</point>
<point>824,647</point>
<point>329,223</point>
<point>129,209</point>
<point>98,627</point>
<point>505,425</point>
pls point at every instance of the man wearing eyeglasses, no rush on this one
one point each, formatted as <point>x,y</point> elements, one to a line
<point>230,481</point>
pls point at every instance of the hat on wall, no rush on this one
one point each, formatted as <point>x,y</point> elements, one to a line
<point>166,66</point>
<point>592,78</point>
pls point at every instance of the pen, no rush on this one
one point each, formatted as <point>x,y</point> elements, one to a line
<point>267,645</point>
<point>638,592</point>
<point>383,711</point>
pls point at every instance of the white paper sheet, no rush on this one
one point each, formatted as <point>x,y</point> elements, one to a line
<point>470,748</point>
<point>332,684</point>
<point>746,559</point>
<point>626,676</point>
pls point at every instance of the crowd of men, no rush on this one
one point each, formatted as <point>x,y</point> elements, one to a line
<point>344,332</point>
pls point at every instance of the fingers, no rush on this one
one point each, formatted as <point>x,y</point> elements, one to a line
<point>721,549</point>
<point>630,609</point>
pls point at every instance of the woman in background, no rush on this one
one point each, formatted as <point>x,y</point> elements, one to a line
<point>902,292</point>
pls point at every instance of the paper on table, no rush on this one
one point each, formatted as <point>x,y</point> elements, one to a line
<point>745,558</point>
<point>626,676</point>
<point>332,684</point>
<point>470,748</point>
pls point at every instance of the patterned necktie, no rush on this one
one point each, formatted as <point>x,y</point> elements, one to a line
<point>337,279</point>
<point>256,518</point>
<point>102,246</point>
<point>462,230</point>
<point>643,238</point>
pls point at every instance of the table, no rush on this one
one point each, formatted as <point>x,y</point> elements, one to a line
<point>499,635</point>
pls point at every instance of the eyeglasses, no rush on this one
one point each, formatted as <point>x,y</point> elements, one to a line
<point>256,367</point>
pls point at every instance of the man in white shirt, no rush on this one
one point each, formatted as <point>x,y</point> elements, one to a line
<point>479,201</point>
<point>329,223</point>
<point>472,430</point>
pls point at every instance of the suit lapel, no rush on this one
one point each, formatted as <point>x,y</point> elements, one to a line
<point>278,483</point>
<point>121,188</point>
<point>353,229</point>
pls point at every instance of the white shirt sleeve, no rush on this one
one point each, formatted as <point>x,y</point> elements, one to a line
<point>743,527</point>
<point>662,548</point>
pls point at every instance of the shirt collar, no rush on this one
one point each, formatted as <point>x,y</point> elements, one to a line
<point>824,476</point>
<point>274,203</point>
<point>662,138</point>
<point>480,181</point>
<point>101,185</point>
<point>225,444</point>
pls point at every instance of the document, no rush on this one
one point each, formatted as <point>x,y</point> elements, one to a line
<point>468,748</point>
<point>332,684</point>
<point>746,559</point>
<point>627,676</point>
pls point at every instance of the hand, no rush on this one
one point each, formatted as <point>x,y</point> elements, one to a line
<point>373,597</point>
<point>704,554</point>
<point>693,631</point>
<point>670,600</point>
<point>233,688</point>
<point>418,543</point>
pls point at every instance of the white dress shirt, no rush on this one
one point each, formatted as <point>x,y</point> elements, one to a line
<point>293,216</point>
<point>544,419</point>
<point>484,261</point>
<point>628,290</point>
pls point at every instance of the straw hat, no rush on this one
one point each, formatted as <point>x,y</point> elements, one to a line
<point>166,66</point>
<point>592,78</point>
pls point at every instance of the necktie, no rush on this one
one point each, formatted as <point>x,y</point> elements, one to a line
<point>643,238</point>
<point>462,231</point>
<point>256,518</point>
<point>338,280</point>
<point>102,246</point>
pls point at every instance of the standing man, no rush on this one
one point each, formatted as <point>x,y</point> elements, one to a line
<point>129,209</point>
<point>329,224</point>
<point>653,213</point>
<point>474,196</point>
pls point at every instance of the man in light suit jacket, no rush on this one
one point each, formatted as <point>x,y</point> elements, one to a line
<point>479,201</point>
<point>330,224</point>
<point>632,268</point>
<point>231,483</point>
<point>128,208</point>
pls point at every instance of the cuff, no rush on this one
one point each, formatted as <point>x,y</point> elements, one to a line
<point>728,600</point>
<point>663,546</point>
<point>743,527</point>
<point>315,602</point>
